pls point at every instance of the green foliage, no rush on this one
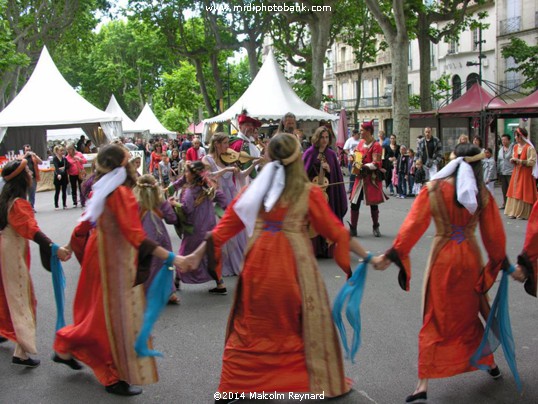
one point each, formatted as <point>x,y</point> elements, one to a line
<point>178,98</point>
<point>125,58</point>
<point>439,90</point>
<point>526,57</point>
<point>9,57</point>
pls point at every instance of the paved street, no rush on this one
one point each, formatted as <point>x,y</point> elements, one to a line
<point>191,335</point>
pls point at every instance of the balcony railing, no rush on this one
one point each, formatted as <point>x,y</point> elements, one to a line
<point>383,58</point>
<point>329,73</point>
<point>510,25</point>
<point>371,102</point>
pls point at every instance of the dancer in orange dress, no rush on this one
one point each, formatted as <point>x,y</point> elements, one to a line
<point>522,194</point>
<point>17,299</point>
<point>109,302</point>
<point>280,334</point>
<point>527,261</point>
<point>456,281</point>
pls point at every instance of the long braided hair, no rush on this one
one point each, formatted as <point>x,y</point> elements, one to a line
<point>200,179</point>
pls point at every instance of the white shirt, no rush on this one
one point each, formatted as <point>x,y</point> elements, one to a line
<point>253,150</point>
<point>351,144</point>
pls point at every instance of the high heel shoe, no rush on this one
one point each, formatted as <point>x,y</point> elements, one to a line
<point>421,395</point>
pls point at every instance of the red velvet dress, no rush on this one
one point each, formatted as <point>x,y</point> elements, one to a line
<point>108,310</point>
<point>280,333</point>
<point>456,281</point>
<point>17,298</point>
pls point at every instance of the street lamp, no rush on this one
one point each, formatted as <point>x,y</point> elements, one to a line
<point>480,55</point>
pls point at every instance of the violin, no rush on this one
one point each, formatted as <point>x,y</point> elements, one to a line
<point>231,156</point>
<point>321,179</point>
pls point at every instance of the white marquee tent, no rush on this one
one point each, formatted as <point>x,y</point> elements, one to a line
<point>47,101</point>
<point>270,97</point>
<point>127,123</point>
<point>147,119</point>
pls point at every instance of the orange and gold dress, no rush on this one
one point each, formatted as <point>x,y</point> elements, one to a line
<point>456,281</point>
<point>522,193</point>
<point>108,308</point>
<point>280,334</point>
<point>17,298</point>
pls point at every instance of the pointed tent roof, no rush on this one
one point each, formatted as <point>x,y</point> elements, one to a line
<point>469,105</point>
<point>128,124</point>
<point>270,96</point>
<point>526,107</point>
<point>48,99</point>
<point>147,119</point>
<point>476,99</point>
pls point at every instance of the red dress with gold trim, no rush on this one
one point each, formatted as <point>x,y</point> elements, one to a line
<point>456,281</point>
<point>108,309</point>
<point>280,334</point>
<point>17,298</point>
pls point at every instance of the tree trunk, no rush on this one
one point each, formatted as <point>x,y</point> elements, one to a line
<point>201,81</point>
<point>400,94</point>
<point>219,92</point>
<point>424,50</point>
<point>252,53</point>
<point>398,41</point>
<point>358,94</point>
<point>320,29</point>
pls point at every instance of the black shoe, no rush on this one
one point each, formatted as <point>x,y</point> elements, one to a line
<point>423,395</point>
<point>2,340</point>
<point>122,388</point>
<point>495,373</point>
<point>29,363</point>
<point>352,230</point>
<point>72,363</point>
<point>217,291</point>
<point>376,232</point>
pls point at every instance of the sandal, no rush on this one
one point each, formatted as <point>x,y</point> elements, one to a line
<point>174,299</point>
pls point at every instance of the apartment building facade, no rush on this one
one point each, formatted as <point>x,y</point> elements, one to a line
<point>461,60</point>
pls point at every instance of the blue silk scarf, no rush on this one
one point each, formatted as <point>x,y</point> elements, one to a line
<point>350,297</point>
<point>156,299</point>
<point>58,284</point>
<point>499,331</point>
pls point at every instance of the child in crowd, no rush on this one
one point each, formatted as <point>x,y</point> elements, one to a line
<point>411,173</point>
<point>153,210</point>
<point>489,169</point>
<point>420,177</point>
<point>402,168</point>
<point>136,162</point>
<point>164,170</point>
<point>174,165</point>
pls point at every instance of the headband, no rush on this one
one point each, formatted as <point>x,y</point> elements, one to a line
<point>294,156</point>
<point>476,157</point>
<point>141,185</point>
<point>18,170</point>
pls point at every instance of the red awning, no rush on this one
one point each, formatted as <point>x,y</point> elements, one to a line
<point>524,108</point>
<point>196,128</point>
<point>469,105</point>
